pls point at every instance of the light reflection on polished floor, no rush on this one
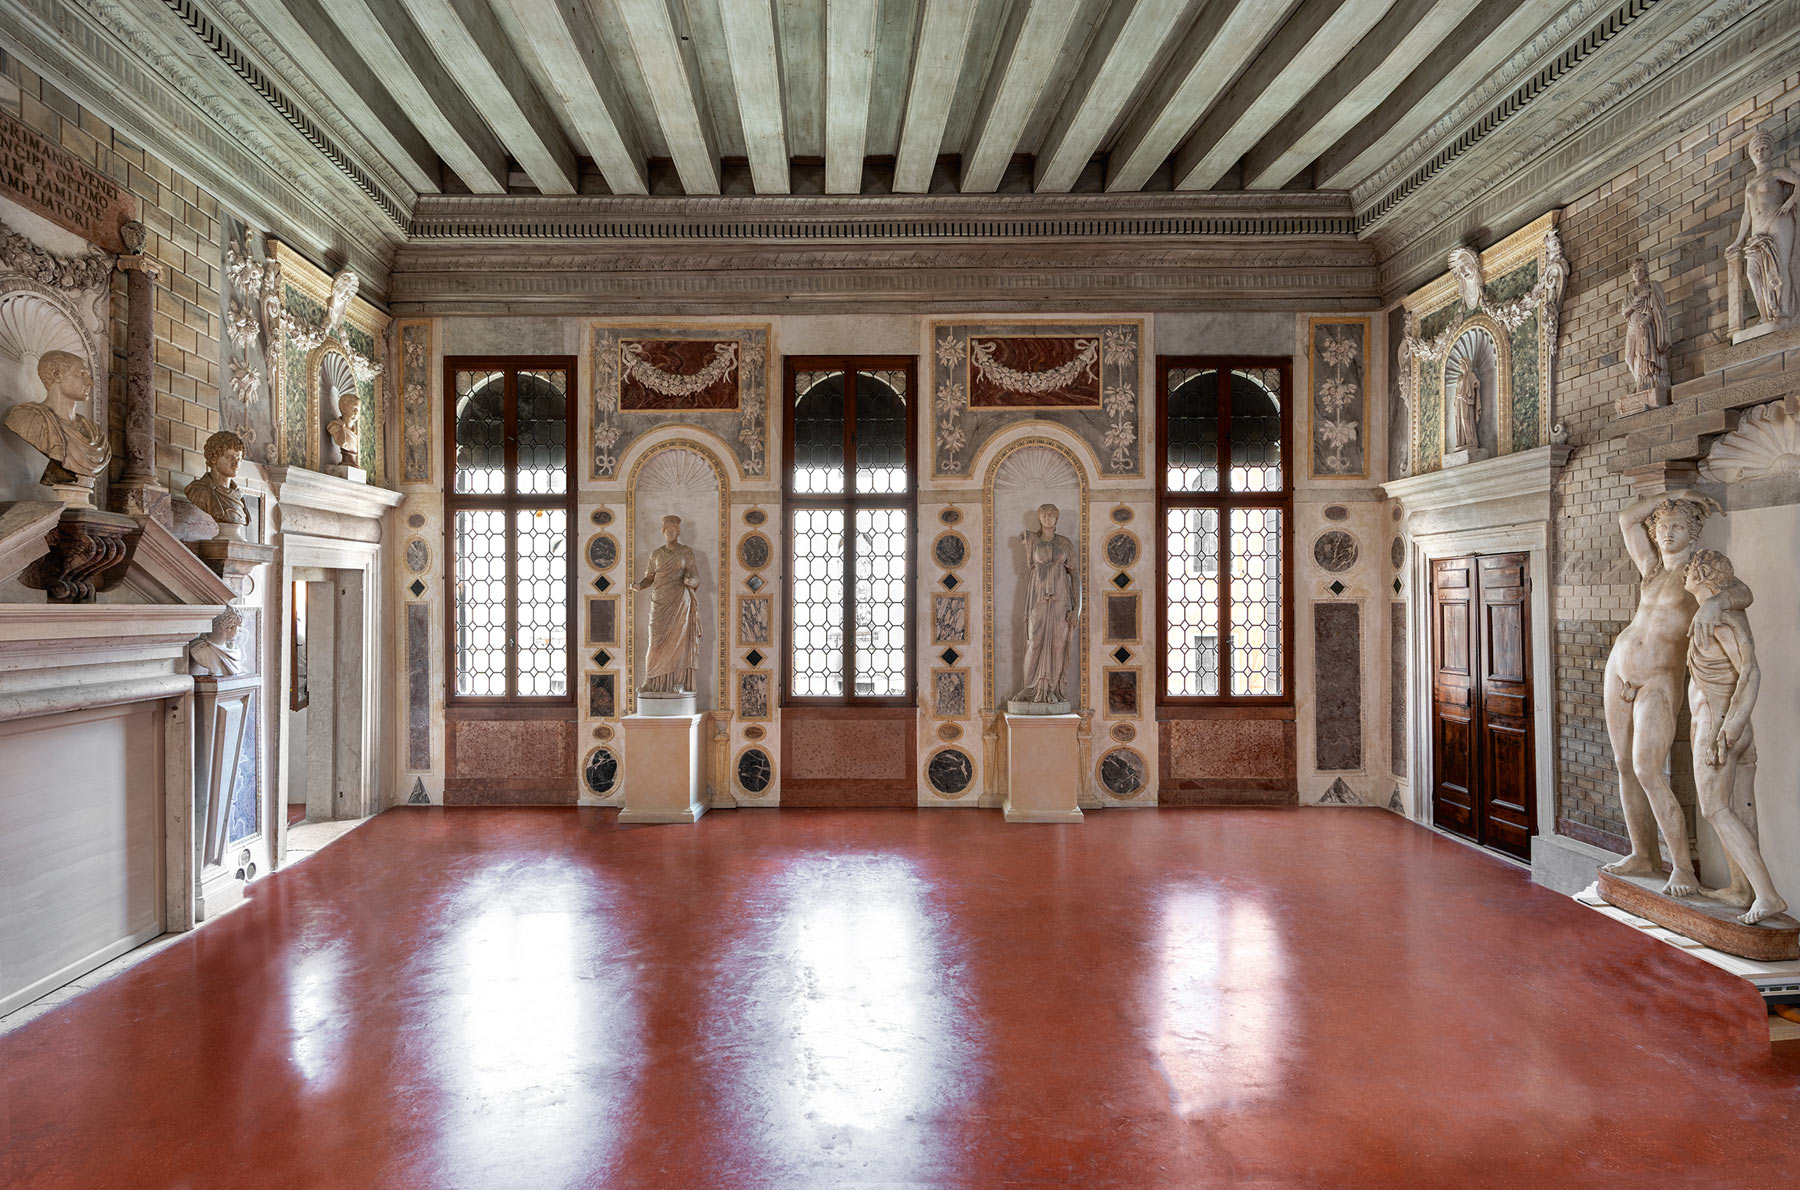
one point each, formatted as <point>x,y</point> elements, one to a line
<point>540,998</point>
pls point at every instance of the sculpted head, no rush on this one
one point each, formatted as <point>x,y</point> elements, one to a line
<point>224,450</point>
<point>1708,572</point>
<point>1762,146</point>
<point>1465,263</point>
<point>1675,525</point>
<point>349,405</point>
<point>64,375</point>
<point>1048,515</point>
<point>225,626</point>
<point>1640,271</point>
<point>671,527</point>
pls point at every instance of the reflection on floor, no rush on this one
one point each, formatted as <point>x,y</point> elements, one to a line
<point>296,812</point>
<point>541,998</point>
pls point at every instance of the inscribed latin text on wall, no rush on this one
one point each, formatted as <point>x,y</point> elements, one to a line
<point>48,179</point>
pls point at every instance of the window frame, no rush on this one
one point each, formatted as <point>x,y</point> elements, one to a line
<point>508,502</point>
<point>851,501</point>
<point>1224,501</point>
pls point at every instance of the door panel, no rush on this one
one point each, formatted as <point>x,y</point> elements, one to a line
<point>1453,688</point>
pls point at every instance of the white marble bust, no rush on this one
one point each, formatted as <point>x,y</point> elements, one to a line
<point>76,448</point>
<point>217,653</point>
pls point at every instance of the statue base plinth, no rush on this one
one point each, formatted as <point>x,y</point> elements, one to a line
<point>1468,454</point>
<point>1759,330</point>
<point>663,779</point>
<point>1645,398</point>
<point>77,493</point>
<point>140,497</point>
<point>345,471</point>
<point>1019,706</point>
<point>651,705</point>
<point>1708,922</point>
<point>1043,767</point>
<point>88,550</point>
<point>233,560</point>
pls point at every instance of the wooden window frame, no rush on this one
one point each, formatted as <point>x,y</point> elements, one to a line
<point>508,502</point>
<point>1225,501</point>
<point>851,501</point>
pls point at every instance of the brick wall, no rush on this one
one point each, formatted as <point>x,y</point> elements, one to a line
<point>183,224</point>
<point>1678,211</point>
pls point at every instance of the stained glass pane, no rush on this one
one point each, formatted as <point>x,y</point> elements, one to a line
<point>817,636</point>
<point>480,432</point>
<point>1192,596</point>
<point>880,598</point>
<point>543,601</point>
<point>480,596</point>
<point>819,436</point>
<point>880,433</point>
<point>1194,435</point>
<point>1256,431</point>
<point>1256,601</point>
<point>543,432</point>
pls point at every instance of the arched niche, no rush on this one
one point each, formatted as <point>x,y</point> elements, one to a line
<point>1024,474</point>
<point>1484,354</point>
<point>32,322</point>
<point>682,477</point>
<point>333,379</point>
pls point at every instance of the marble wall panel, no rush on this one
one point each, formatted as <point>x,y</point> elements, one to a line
<point>1338,374</point>
<point>1249,761</point>
<point>1337,686</point>
<point>418,685</point>
<point>1397,685</point>
<point>497,762</point>
<point>626,376</point>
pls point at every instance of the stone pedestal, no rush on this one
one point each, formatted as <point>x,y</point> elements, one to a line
<point>233,560</point>
<point>88,550</point>
<point>1706,921</point>
<point>1644,398</point>
<point>345,471</point>
<point>666,706</point>
<point>663,779</point>
<point>1468,454</point>
<point>1043,776</point>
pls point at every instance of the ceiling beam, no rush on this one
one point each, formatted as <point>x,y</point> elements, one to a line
<point>1029,52</point>
<point>1356,86</point>
<point>1488,35</point>
<point>1302,51</point>
<point>850,27</point>
<point>320,48</point>
<point>673,79</point>
<point>1122,54</point>
<point>1206,62</point>
<point>472,44</point>
<point>567,43</point>
<point>756,77</point>
<point>942,37</point>
<point>396,52</point>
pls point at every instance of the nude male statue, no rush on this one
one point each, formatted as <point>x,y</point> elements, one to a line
<point>1644,672</point>
<point>1723,680</point>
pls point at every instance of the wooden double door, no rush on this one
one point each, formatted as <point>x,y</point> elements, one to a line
<point>1482,783</point>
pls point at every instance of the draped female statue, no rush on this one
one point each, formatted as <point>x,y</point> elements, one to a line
<point>1766,236</point>
<point>1052,612</point>
<point>673,578</point>
<point>1646,317</point>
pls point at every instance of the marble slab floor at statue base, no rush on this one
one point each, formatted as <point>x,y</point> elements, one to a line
<point>1708,922</point>
<point>1043,769</point>
<point>663,781</point>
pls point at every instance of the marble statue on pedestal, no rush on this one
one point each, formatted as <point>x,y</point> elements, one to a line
<point>217,653</point>
<point>216,493</point>
<point>1053,612</point>
<point>1468,410</point>
<point>1646,316</point>
<point>1644,674</point>
<point>673,579</point>
<point>343,427</point>
<point>1766,237</point>
<point>1723,680</point>
<point>76,448</point>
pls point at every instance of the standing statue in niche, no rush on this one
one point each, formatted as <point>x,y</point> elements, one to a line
<point>1053,611</point>
<point>1644,671</point>
<point>75,447</point>
<point>1723,680</point>
<point>673,579</point>
<point>1468,409</point>
<point>1765,239</point>
<point>1646,316</point>
<point>343,428</point>
<point>216,493</point>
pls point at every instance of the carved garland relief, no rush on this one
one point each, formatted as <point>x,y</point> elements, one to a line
<point>714,378</point>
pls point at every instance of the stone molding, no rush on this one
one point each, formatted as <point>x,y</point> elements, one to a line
<point>1522,473</point>
<point>298,488</point>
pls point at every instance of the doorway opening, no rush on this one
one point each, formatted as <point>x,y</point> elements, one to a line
<point>326,777</point>
<point>1482,752</point>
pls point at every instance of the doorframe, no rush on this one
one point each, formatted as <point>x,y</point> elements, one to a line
<point>1533,540</point>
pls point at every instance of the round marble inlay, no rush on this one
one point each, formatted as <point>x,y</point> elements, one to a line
<point>753,732</point>
<point>1336,512</point>
<point>950,771</point>
<point>949,731</point>
<point>1395,513</point>
<point>602,770</point>
<point>1397,553</point>
<point>416,520</point>
<point>1122,772</point>
<point>1335,551</point>
<point>754,771</point>
<point>950,516</point>
<point>754,551</point>
<point>1124,732</point>
<point>603,732</point>
<point>1121,515</point>
<point>418,555</point>
<point>950,550</point>
<point>603,551</point>
<point>601,516</point>
<point>1121,550</point>
<point>755,516</point>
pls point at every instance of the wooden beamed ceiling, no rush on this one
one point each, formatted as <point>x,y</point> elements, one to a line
<point>705,97</point>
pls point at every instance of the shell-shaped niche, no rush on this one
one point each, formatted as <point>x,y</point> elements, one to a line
<point>1037,469</point>
<point>1765,444</point>
<point>335,379</point>
<point>30,325</point>
<point>676,472</point>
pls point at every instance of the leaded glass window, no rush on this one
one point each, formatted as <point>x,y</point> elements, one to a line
<point>510,509</point>
<point>1225,510</point>
<point>850,529</point>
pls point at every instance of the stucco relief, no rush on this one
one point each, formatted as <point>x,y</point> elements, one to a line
<point>715,378</point>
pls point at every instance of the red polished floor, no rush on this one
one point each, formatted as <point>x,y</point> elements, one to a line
<point>538,998</point>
